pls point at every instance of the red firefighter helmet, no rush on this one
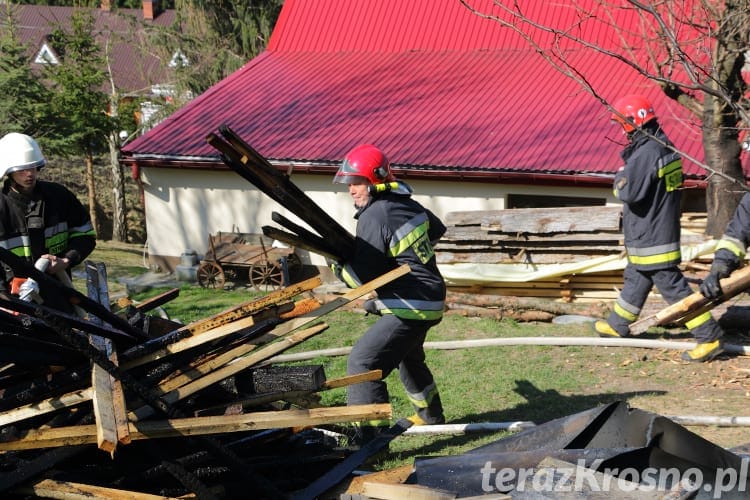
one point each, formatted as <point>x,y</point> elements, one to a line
<point>636,110</point>
<point>365,162</point>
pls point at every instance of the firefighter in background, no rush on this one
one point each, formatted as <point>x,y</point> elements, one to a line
<point>40,219</point>
<point>392,229</point>
<point>730,250</point>
<point>649,185</point>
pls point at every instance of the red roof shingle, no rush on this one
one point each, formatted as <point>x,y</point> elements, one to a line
<point>434,85</point>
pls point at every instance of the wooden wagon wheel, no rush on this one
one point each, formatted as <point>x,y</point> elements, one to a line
<point>210,275</point>
<point>266,276</point>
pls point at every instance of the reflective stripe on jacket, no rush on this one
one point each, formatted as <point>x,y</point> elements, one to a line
<point>392,230</point>
<point>649,187</point>
<point>51,220</point>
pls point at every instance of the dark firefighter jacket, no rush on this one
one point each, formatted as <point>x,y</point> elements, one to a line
<point>50,221</point>
<point>392,230</point>
<point>733,244</point>
<point>649,187</point>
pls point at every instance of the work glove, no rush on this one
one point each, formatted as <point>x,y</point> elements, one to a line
<point>710,288</point>
<point>371,307</point>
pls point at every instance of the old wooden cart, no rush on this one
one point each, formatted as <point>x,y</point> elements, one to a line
<point>245,256</point>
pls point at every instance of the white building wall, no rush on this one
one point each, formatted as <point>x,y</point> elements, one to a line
<point>184,206</point>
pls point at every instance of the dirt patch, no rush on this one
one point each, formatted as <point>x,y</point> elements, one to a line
<point>671,387</point>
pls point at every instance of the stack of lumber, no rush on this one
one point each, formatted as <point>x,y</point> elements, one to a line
<point>96,404</point>
<point>531,235</point>
<point>544,237</point>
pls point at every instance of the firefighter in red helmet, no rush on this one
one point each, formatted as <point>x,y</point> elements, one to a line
<point>649,185</point>
<point>392,229</point>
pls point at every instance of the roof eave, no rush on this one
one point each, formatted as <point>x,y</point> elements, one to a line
<point>435,174</point>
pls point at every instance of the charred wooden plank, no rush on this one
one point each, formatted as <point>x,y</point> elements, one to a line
<point>23,269</point>
<point>288,378</point>
<point>34,310</point>
<point>344,468</point>
<point>296,200</point>
<point>307,236</point>
<point>298,242</point>
<point>108,397</point>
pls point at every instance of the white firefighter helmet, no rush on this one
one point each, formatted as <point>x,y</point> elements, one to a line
<point>19,152</point>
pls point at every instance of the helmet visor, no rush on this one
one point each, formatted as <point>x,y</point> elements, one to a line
<point>349,174</point>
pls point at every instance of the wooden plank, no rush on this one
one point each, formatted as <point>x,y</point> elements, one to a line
<point>479,234</point>
<point>199,426</point>
<point>353,379</point>
<point>444,257</point>
<point>47,406</point>
<point>254,306</point>
<point>386,491</point>
<point>541,220</point>
<point>696,303</point>
<point>67,490</point>
<point>107,393</point>
<point>190,342</point>
<point>223,318</point>
<point>287,395</point>
<point>397,475</point>
<point>158,300</point>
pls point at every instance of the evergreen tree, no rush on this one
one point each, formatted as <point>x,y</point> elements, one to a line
<point>25,104</point>
<point>78,96</point>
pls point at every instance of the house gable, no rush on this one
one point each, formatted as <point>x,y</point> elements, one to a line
<point>133,69</point>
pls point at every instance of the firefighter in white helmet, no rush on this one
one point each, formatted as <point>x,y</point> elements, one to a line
<point>40,219</point>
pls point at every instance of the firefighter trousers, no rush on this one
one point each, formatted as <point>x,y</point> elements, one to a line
<point>393,343</point>
<point>673,287</point>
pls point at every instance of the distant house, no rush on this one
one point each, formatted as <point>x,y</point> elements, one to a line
<point>470,116</point>
<point>136,72</point>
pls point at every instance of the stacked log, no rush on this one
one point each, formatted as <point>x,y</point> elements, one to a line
<point>189,411</point>
<point>539,237</point>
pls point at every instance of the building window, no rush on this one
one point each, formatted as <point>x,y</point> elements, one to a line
<point>46,56</point>
<point>539,201</point>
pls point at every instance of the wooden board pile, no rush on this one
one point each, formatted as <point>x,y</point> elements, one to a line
<point>125,405</point>
<point>540,237</point>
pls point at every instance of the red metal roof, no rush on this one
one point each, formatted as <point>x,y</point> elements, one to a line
<point>438,88</point>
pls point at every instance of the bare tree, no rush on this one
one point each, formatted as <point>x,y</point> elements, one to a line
<point>693,50</point>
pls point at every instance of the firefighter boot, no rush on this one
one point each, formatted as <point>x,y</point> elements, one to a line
<point>603,329</point>
<point>704,352</point>
<point>417,420</point>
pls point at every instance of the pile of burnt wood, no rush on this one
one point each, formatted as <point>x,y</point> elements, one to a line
<point>127,404</point>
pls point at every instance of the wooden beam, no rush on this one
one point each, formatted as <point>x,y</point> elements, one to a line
<point>108,396</point>
<point>200,426</point>
<point>695,304</point>
<point>386,491</point>
<point>67,490</point>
